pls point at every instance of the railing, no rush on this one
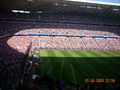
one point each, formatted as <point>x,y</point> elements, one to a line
<point>23,66</point>
<point>63,35</point>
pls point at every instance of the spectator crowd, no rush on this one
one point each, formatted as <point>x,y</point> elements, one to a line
<point>20,43</point>
<point>61,17</point>
<point>12,49</point>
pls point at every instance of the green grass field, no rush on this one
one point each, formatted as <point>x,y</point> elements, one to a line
<point>74,65</point>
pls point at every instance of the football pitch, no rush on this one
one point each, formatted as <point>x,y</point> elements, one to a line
<point>75,65</point>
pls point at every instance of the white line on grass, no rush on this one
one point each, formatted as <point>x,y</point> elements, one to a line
<point>61,70</point>
<point>73,72</point>
<point>44,56</point>
<point>73,54</point>
<point>52,67</point>
<point>40,62</point>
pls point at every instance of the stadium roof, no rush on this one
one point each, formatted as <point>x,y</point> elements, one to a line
<point>104,2</point>
<point>61,6</point>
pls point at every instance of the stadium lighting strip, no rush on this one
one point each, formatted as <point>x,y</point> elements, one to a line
<point>115,9</point>
<point>30,0</point>
<point>57,4</point>
<point>95,2</point>
<point>39,12</point>
<point>20,11</point>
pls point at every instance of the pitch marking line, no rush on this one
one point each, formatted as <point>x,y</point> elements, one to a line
<point>52,67</point>
<point>73,72</point>
<point>75,54</point>
<point>60,54</point>
<point>82,64</point>
<point>61,70</point>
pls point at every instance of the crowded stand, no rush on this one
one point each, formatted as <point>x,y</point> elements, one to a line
<point>31,30</point>
<point>10,63</point>
<point>20,43</point>
<point>57,28</point>
<point>61,17</point>
<point>13,48</point>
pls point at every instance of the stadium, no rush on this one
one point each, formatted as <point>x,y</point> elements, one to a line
<point>59,45</point>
